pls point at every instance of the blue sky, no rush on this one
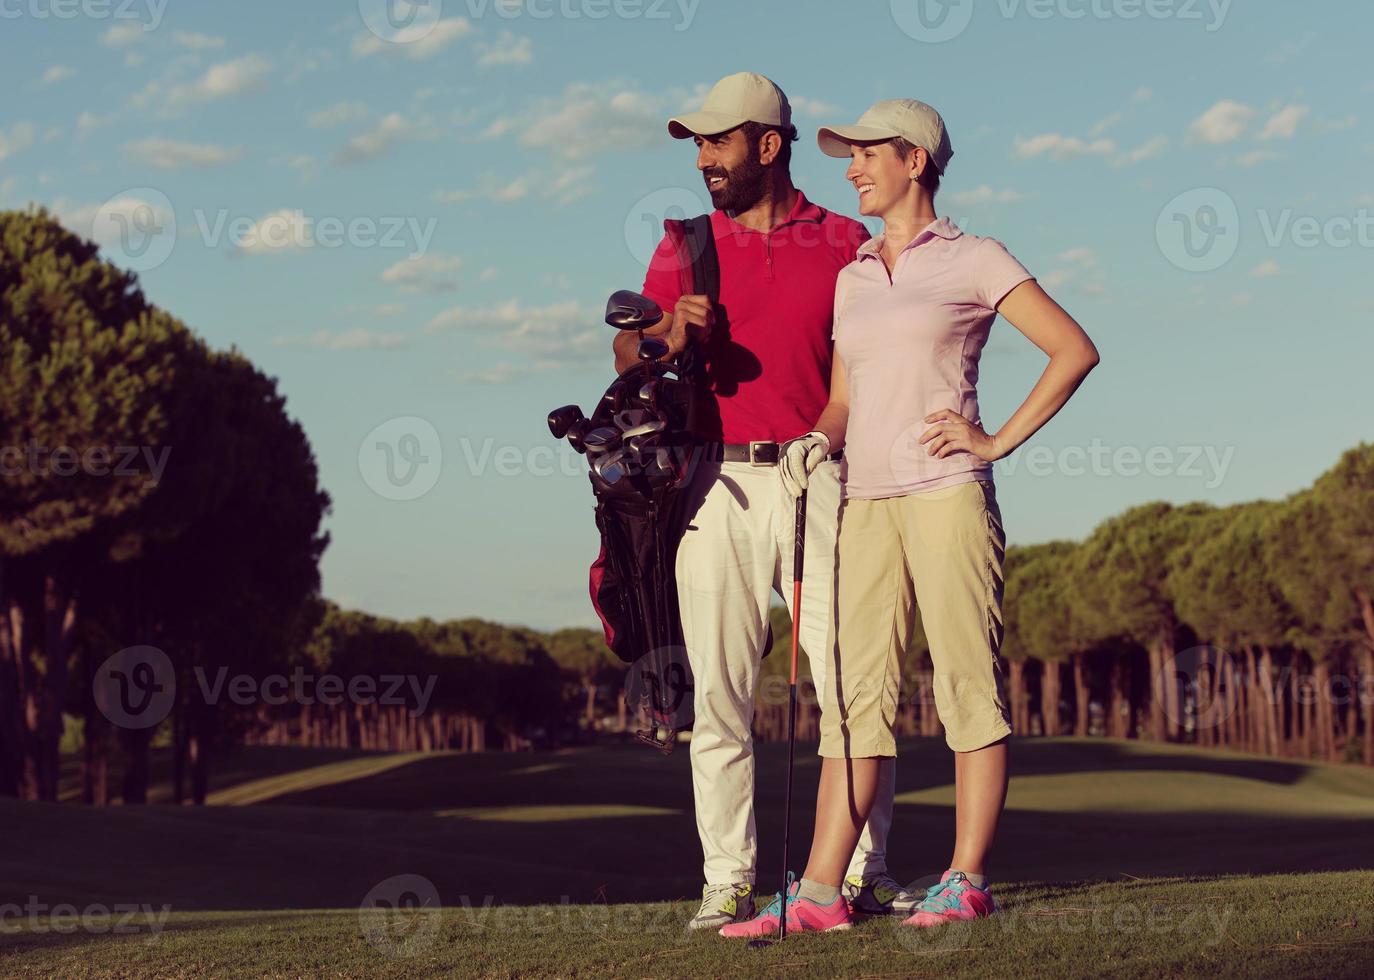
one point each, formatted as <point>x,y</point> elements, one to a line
<point>424,226</point>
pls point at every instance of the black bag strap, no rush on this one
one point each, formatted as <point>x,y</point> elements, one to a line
<point>701,240</point>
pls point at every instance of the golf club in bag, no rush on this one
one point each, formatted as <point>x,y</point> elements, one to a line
<point>640,449</point>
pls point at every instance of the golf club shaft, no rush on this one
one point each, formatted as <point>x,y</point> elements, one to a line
<point>798,555</point>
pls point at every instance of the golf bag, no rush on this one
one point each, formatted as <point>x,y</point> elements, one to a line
<point>643,447</point>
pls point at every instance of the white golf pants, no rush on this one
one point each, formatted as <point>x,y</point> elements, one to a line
<point>737,550</point>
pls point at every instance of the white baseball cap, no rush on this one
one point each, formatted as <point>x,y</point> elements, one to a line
<point>733,101</point>
<point>915,122</point>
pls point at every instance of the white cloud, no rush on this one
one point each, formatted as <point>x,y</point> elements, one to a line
<point>338,114</point>
<point>1079,256</point>
<point>507,49</point>
<point>165,154</point>
<point>567,184</point>
<point>1241,299</point>
<point>89,120</point>
<point>121,212</point>
<point>358,339</point>
<point>237,77</point>
<point>1336,125</point>
<point>814,108</point>
<point>1148,150</point>
<point>1059,147</point>
<point>1364,201</point>
<point>1143,94</point>
<point>20,137</point>
<point>417,43</point>
<point>986,195</point>
<point>377,141</point>
<point>122,35</point>
<point>1106,124</point>
<point>1222,123</point>
<point>425,273</point>
<point>277,233</point>
<point>197,42</point>
<point>1255,157</point>
<point>589,119</point>
<point>1284,123</point>
<point>490,273</point>
<point>1265,270</point>
<point>56,74</point>
<point>555,331</point>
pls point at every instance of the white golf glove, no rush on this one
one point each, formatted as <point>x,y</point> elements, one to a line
<point>799,457</point>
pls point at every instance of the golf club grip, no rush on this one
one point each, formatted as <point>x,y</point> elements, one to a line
<point>800,549</point>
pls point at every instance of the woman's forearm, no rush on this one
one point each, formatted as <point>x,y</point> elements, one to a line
<point>833,422</point>
<point>1060,380</point>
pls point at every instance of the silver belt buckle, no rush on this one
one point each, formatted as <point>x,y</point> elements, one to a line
<point>753,453</point>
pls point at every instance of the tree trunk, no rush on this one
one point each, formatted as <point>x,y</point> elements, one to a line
<point>11,735</point>
<point>1173,707</point>
<point>1016,676</point>
<point>1119,705</point>
<point>59,626</point>
<point>135,786</point>
<point>95,757</point>
<point>1156,692</point>
<point>589,708</point>
<point>1049,697</point>
<point>1271,705</point>
<point>1367,701</point>
<point>1080,697</point>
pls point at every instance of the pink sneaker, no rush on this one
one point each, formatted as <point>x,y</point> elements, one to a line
<point>955,898</point>
<point>803,915</point>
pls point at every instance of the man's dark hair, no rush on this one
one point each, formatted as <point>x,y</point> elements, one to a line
<point>753,131</point>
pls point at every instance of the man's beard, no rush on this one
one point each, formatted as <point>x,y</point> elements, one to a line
<point>744,186</point>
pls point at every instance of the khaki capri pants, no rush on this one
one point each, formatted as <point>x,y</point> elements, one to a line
<point>943,549</point>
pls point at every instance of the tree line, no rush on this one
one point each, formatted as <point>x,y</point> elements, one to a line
<point>156,495</point>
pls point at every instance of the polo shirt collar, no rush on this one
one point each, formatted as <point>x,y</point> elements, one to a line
<point>802,211</point>
<point>939,228</point>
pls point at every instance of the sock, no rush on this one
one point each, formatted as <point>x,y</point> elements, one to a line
<point>818,892</point>
<point>977,881</point>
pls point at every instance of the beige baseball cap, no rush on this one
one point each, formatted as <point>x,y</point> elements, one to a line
<point>915,122</point>
<point>735,100</point>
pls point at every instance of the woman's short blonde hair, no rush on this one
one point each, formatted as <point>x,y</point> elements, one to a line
<point>930,176</point>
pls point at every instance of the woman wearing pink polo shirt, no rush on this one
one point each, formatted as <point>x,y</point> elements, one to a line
<point>919,522</point>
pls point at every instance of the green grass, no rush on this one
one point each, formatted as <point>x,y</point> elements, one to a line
<point>1114,857</point>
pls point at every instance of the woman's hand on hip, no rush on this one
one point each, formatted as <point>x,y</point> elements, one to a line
<point>952,433</point>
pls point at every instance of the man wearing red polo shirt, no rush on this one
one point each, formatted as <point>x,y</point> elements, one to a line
<point>767,345</point>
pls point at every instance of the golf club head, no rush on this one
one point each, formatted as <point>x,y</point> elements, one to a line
<point>630,418</point>
<point>652,349</point>
<point>648,394</point>
<point>627,310</point>
<point>599,439</point>
<point>644,429</point>
<point>563,419</point>
<point>576,432</point>
<point>609,466</point>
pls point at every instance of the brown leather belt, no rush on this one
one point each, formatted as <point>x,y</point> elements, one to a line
<point>754,453</point>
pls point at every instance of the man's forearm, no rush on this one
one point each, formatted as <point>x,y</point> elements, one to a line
<point>833,422</point>
<point>626,344</point>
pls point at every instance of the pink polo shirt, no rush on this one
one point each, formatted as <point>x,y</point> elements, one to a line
<point>768,359</point>
<point>910,345</point>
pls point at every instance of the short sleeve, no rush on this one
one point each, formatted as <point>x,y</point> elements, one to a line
<point>995,273</point>
<point>663,281</point>
<point>839,304</point>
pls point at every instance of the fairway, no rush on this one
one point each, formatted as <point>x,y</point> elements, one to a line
<point>1114,857</point>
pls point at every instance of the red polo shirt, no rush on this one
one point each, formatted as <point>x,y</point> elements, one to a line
<point>768,359</point>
